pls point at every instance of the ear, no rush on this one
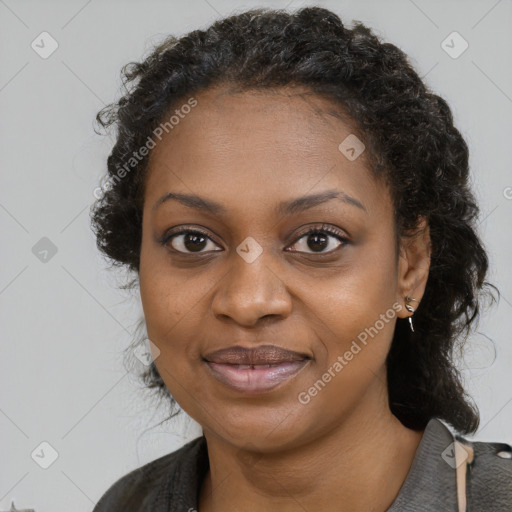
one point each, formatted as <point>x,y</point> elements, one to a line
<point>413,266</point>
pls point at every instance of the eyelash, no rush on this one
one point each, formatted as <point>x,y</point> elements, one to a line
<point>167,237</point>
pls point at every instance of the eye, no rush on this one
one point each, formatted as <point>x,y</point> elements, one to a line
<point>188,241</point>
<point>318,239</point>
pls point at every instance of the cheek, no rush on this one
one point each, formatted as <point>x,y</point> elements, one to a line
<point>171,322</point>
<point>354,311</point>
<point>168,304</point>
<point>165,294</point>
<point>354,296</point>
<point>350,359</point>
<point>175,318</point>
<point>170,309</point>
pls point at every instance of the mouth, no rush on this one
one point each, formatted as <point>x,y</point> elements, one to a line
<point>255,370</point>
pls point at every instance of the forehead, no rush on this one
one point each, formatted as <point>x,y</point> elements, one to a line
<point>258,145</point>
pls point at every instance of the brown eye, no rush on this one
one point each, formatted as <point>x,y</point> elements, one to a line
<point>319,240</point>
<point>189,241</point>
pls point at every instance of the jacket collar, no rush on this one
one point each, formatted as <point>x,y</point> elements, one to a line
<point>431,482</point>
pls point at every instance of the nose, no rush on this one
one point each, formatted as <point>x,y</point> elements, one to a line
<point>250,292</point>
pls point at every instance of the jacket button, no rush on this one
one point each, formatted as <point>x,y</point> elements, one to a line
<point>505,455</point>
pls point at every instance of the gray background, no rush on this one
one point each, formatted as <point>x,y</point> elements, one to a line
<point>64,323</point>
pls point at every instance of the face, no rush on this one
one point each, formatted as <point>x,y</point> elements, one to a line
<point>250,270</point>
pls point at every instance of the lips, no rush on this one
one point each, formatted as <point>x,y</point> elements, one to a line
<point>265,355</point>
<point>256,370</point>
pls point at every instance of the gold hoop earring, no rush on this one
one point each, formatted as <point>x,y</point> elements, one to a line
<point>410,309</point>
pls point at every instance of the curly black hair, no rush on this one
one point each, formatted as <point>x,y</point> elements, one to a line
<point>411,143</point>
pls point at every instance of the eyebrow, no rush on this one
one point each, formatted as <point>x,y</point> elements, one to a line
<point>284,208</point>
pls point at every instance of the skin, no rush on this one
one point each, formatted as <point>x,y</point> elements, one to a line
<point>250,151</point>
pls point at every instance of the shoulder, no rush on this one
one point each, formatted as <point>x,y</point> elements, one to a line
<point>489,482</point>
<point>145,487</point>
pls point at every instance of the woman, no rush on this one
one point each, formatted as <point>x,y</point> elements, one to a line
<point>295,205</point>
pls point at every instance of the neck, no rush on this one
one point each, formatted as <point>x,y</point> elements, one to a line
<point>359,465</point>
